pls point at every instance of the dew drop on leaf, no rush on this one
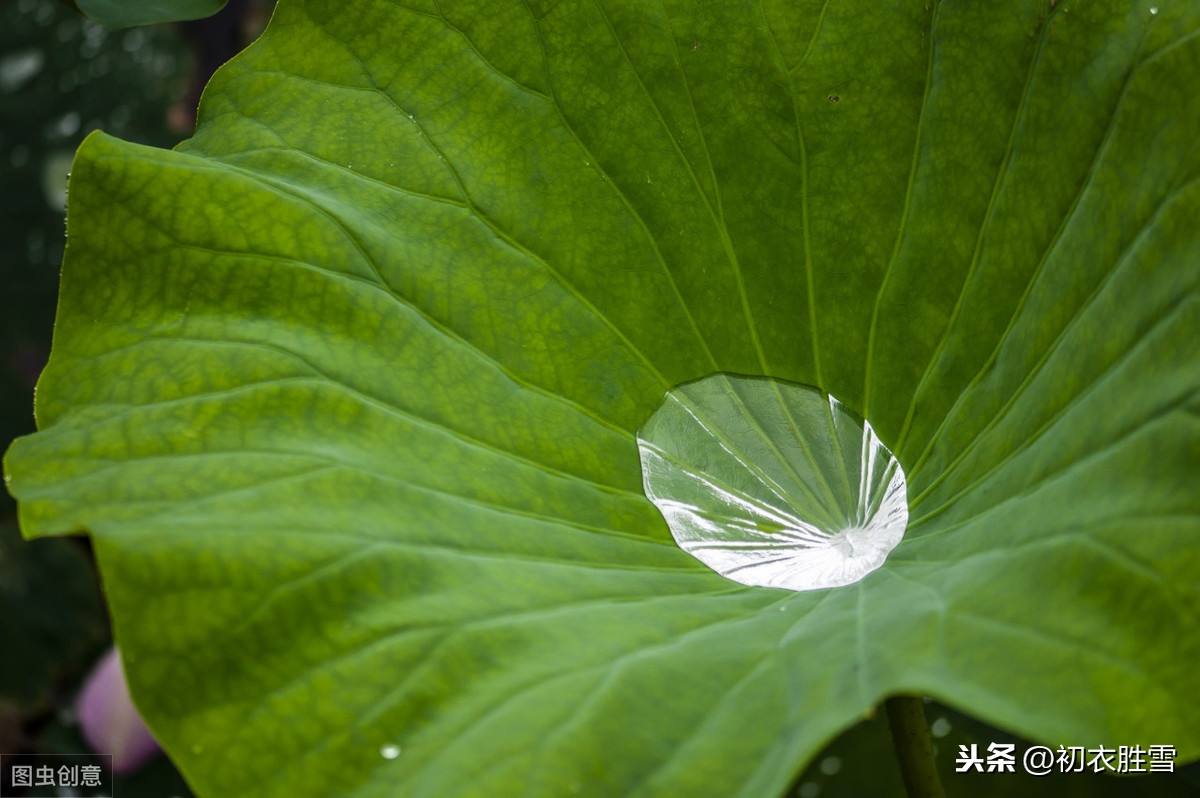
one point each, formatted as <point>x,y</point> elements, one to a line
<point>389,751</point>
<point>772,484</point>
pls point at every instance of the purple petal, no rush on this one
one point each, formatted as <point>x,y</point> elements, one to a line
<point>108,719</point>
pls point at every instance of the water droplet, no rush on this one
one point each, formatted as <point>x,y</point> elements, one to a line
<point>830,765</point>
<point>810,789</point>
<point>940,728</point>
<point>389,751</point>
<point>1154,10</point>
<point>772,484</point>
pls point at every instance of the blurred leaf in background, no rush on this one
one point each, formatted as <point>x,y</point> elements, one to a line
<point>125,13</point>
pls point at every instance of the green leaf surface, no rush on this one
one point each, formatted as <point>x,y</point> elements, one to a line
<point>128,13</point>
<point>346,388</point>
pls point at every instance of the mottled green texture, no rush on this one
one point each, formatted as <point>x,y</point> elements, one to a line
<point>346,387</point>
<point>127,13</point>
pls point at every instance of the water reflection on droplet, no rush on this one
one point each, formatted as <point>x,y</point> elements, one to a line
<point>830,765</point>
<point>772,484</point>
<point>809,789</point>
<point>389,751</point>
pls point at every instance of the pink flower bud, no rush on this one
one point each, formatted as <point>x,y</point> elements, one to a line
<point>108,719</point>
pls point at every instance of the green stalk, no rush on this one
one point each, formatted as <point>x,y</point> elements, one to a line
<point>914,749</point>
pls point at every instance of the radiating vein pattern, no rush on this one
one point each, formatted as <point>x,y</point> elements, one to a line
<point>742,469</point>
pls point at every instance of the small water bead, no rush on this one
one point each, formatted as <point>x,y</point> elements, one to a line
<point>772,484</point>
<point>389,751</point>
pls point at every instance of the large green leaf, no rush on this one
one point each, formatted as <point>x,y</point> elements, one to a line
<point>346,387</point>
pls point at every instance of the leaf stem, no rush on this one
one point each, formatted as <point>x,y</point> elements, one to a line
<point>914,749</point>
